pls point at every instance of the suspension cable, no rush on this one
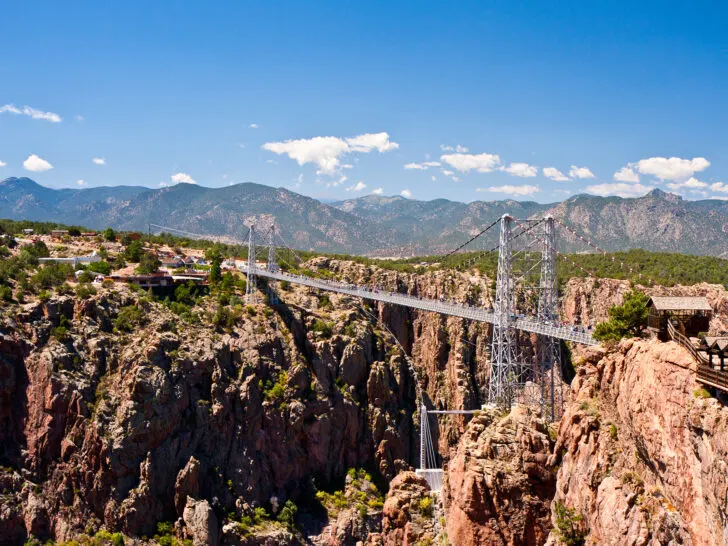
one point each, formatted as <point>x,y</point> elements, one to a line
<point>471,239</point>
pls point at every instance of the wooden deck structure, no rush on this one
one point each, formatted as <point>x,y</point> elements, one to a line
<point>689,315</point>
<point>706,372</point>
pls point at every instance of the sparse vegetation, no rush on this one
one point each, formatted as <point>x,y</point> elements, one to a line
<point>322,327</point>
<point>626,320</point>
<point>129,318</point>
<point>701,392</point>
<point>569,525</point>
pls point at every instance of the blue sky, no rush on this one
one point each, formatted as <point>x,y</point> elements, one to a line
<point>480,100</point>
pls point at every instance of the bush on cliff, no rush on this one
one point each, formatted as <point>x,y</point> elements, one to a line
<point>569,525</point>
<point>626,320</point>
<point>128,318</point>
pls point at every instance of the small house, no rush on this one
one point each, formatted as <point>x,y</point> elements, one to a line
<point>58,233</point>
<point>28,231</point>
<point>716,352</point>
<point>690,315</point>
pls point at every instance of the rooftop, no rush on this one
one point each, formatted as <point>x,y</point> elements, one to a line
<point>677,303</point>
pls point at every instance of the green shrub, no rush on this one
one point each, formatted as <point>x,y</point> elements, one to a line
<point>84,291</point>
<point>613,432</point>
<point>701,392</point>
<point>60,333</point>
<point>322,327</point>
<point>425,506</point>
<point>287,515</point>
<point>276,391</point>
<point>569,525</point>
<point>148,263</point>
<point>223,318</point>
<point>128,318</point>
<point>626,320</point>
<point>52,274</point>
<point>101,267</point>
<point>6,293</point>
<point>85,277</point>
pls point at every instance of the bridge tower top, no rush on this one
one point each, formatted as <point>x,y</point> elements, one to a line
<point>250,285</point>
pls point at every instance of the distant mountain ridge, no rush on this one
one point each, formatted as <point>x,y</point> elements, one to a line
<point>375,225</point>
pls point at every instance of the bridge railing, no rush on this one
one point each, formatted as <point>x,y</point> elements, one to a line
<point>705,373</point>
<point>568,333</point>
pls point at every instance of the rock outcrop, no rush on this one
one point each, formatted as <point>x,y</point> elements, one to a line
<point>642,454</point>
<point>498,487</point>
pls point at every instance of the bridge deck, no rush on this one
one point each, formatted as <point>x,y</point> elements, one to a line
<point>457,310</point>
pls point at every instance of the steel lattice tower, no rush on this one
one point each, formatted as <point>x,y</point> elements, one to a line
<point>252,281</point>
<point>504,350</point>
<point>550,348</point>
<point>272,263</point>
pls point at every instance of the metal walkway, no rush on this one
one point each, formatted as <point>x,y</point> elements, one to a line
<point>479,314</point>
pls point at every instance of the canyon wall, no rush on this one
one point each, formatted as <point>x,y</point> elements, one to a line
<point>117,425</point>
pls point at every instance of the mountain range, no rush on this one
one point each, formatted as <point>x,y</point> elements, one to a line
<point>374,225</point>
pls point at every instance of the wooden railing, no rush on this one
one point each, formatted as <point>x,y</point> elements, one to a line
<point>680,338</point>
<point>705,373</point>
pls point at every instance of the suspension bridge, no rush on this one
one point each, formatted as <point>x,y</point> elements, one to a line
<point>515,376</point>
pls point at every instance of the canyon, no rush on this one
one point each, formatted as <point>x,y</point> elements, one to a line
<point>296,423</point>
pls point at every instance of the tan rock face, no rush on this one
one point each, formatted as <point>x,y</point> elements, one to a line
<point>200,523</point>
<point>409,515</point>
<point>643,459</point>
<point>498,486</point>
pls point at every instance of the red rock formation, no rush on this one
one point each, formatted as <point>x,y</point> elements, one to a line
<point>642,457</point>
<point>498,486</point>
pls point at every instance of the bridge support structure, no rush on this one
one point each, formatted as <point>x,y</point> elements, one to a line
<point>549,347</point>
<point>252,281</point>
<point>504,349</point>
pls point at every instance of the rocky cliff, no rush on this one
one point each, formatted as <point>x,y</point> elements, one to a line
<point>296,424</point>
<point>642,451</point>
<point>119,415</point>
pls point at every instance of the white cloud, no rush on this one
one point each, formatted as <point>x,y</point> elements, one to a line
<point>580,172</point>
<point>511,190</point>
<point>81,182</point>
<point>372,141</point>
<point>36,164</point>
<point>357,187</point>
<point>691,183</point>
<point>253,125</point>
<point>719,186</point>
<point>78,118</point>
<point>434,178</point>
<point>422,166</point>
<point>626,174</point>
<point>406,193</point>
<point>555,174</point>
<point>99,161</point>
<point>30,112</point>
<point>378,191</point>
<point>620,189</point>
<point>459,149</point>
<point>183,178</point>
<point>2,164</point>
<point>524,170</point>
<point>673,168</point>
<point>326,152</point>
<point>482,163</point>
